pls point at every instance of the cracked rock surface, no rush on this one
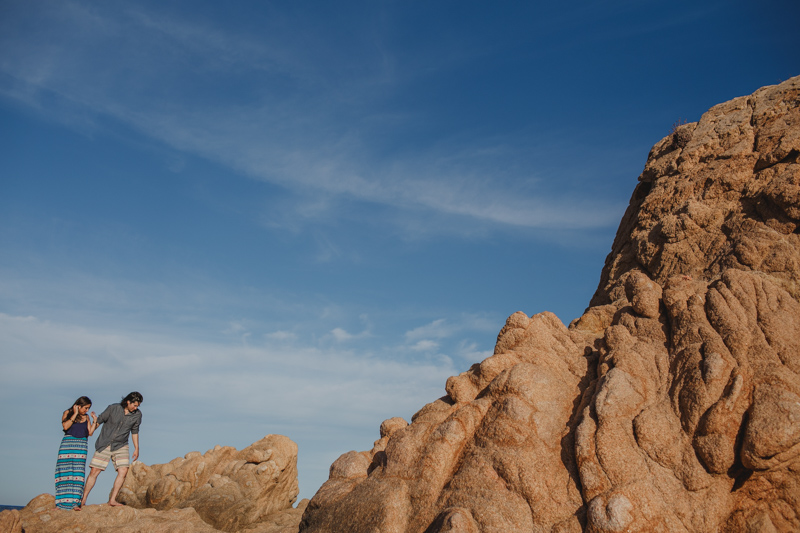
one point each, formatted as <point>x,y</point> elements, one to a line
<point>229,489</point>
<point>671,404</point>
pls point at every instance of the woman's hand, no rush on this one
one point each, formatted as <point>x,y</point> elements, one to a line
<point>75,410</point>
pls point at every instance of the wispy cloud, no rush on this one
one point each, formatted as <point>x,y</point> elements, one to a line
<point>425,345</point>
<point>437,329</point>
<point>255,106</point>
<point>342,336</point>
<point>469,351</point>
<point>315,395</point>
<point>42,352</point>
<point>281,336</point>
<point>431,337</point>
<point>443,328</point>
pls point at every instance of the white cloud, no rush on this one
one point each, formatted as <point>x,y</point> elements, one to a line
<point>305,141</point>
<point>341,335</point>
<point>438,329</point>
<point>425,345</point>
<point>469,351</point>
<point>430,337</point>
<point>281,336</point>
<point>42,352</point>
<point>235,327</point>
<point>318,396</point>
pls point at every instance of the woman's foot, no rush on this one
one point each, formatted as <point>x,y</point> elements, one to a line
<point>76,508</point>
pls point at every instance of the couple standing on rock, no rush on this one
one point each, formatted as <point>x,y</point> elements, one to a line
<point>119,420</point>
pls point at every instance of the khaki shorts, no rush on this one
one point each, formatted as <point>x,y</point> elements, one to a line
<point>120,457</point>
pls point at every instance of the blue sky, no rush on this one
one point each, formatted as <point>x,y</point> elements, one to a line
<point>302,217</point>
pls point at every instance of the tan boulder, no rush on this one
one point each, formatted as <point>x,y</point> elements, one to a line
<point>11,521</point>
<point>229,489</point>
<point>672,404</point>
<point>42,516</point>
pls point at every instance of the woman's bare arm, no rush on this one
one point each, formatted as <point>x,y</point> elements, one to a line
<point>92,424</point>
<point>68,418</point>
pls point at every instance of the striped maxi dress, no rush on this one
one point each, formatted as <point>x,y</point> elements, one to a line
<point>71,466</point>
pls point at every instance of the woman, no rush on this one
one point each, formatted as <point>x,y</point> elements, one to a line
<point>71,464</point>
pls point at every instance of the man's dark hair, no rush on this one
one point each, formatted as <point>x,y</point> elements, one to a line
<point>132,397</point>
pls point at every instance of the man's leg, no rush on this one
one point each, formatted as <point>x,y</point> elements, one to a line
<point>93,473</point>
<point>99,463</point>
<point>121,473</point>
<point>122,462</point>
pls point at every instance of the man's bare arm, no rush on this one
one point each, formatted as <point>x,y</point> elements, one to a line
<point>135,439</point>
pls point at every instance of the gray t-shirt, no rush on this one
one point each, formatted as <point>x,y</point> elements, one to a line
<point>116,427</point>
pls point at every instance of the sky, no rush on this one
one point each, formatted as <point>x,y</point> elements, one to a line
<point>301,217</point>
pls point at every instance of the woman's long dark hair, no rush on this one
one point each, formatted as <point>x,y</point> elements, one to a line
<point>80,402</point>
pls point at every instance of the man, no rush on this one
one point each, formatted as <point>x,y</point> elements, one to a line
<point>119,420</point>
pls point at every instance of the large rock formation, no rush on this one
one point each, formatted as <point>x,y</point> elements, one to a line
<point>672,404</point>
<point>229,489</point>
<point>247,491</point>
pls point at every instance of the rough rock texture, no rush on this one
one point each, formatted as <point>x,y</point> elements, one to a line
<point>229,489</point>
<point>42,516</point>
<point>248,491</point>
<point>672,404</point>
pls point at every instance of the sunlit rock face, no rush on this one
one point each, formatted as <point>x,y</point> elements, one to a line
<point>229,489</point>
<point>672,404</point>
<point>42,516</point>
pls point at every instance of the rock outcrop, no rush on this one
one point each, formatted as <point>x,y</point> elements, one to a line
<point>247,491</point>
<point>42,516</point>
<point>229,489</point>
<point>671,404</point>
